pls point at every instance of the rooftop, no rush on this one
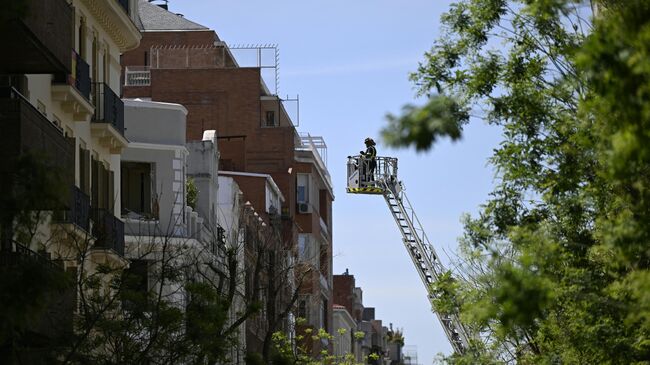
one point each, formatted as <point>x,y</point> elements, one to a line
<point>155,18</point>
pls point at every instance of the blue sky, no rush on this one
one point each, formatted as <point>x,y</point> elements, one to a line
<point>349,61</point>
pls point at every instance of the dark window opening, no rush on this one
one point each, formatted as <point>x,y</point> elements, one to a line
<point>136,285</point>
<point>302,309</point>
<point>102,189</point>
<point>137,192</point>
<point>270,118</point>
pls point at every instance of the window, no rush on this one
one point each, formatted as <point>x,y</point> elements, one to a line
<point>102,189</point>
<point>270,118</point>
<point>302,190</point>
<point>137,189</point>
<point>302,309</point>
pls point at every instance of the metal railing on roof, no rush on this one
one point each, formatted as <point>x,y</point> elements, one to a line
<point>315,143</point>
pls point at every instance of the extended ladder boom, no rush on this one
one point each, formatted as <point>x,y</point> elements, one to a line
<point>416,242</point>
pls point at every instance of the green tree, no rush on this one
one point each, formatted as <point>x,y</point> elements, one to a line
<point>556,262</point>
<point>298,350</point>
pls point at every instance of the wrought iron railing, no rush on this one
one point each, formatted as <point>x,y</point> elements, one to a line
<point>17,255</point>
<point>109,108</point>
<point>78,212</point>
<point>81,75</point>
<point>108,230</point>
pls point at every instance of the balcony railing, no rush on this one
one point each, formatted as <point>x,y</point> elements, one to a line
<point>108,230</point>
<point>25,130</point>
<point>80,75</point>
<point>57,319</point>
<point>109,108</point>
<point>39,39</point>
<point>137,76</point>
<point>18,255</point>
<point>78,212</point>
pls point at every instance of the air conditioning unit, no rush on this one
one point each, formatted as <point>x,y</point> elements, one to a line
<point>304,208</point>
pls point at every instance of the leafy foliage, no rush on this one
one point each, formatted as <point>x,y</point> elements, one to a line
<point>555,266</point>
<point>192,192</point>
<point>297,351</point>
<point>440,117</point>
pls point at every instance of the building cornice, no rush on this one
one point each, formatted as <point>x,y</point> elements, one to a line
<point>157,146</point>
<point>139,103</point>
<point>116,22</point>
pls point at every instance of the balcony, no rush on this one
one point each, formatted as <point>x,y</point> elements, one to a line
<point>18,255</point>
<point>81,79</point>
<point>25,131</point>
<point>137,76</point>
<point>73,89</point>
<point>108,230</point>
<point>108,120</point>
<point>55,319</point>
<point>78,212</point>
<point>39,41</point>
<point>109,108</point>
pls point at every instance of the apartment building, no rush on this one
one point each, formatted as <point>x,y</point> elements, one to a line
<point>345,327</point>
<point>63,119</point>
<point>167,230</point>
<point>385,342</point>
<point>179,61</point>
<point>314,197</point>
<point>73,87</point>
<point>153,172</point>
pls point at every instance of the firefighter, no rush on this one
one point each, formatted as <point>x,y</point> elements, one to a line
<point>370,156</point>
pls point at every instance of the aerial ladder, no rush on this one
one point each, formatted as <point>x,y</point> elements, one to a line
<point>383,181</point>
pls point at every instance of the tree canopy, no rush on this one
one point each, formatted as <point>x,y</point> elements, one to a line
<point>555,264</point>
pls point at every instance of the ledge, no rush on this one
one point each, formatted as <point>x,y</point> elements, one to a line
<point>100,255</point>
<point>72,102</point>
<point>109,137</point>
